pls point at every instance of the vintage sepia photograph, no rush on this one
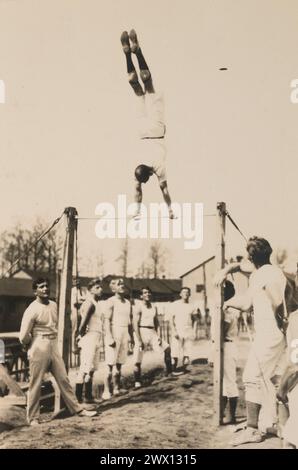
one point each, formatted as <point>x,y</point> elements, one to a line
<point>148,229</point>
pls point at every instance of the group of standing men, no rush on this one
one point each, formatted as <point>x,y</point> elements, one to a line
<point>114,321</point>
<point>119,323</point>
<point>271,363</point>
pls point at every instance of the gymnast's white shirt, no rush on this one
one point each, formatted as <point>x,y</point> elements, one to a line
<point>151,149</point>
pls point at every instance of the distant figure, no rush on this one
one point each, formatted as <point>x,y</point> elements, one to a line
<point>208,323</point>
<point>196,319</point>
<point>240,324</point>
<point>182,311</point>
<point>249,321</point>
<point>152,128</point>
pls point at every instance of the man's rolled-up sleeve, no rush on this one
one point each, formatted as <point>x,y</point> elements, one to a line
<point>26,327</point>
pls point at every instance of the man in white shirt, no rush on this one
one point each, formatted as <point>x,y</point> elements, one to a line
<point>145,333</point>
<point>118,327</point>
<point>39,334</point>
<point>182,311</point>
<point>89,339</point>
<point>265,294</point>
<point>151,123</point>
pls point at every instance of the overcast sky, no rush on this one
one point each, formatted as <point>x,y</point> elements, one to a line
<point>67,127</point>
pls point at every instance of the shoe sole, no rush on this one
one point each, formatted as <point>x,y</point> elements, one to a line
<point>247,441</point>
<point>84,415</point>
<point>120,393</point>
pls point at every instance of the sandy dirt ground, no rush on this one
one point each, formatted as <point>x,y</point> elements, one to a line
<point>225,434</point>
<point>166,413</point>
<point>174,412</point>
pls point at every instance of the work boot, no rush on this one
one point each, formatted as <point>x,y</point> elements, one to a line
<point>79,392</point>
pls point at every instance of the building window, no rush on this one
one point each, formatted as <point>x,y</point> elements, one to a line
<point>199,287</point>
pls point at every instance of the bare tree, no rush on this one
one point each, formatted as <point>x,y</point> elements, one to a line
<point>100,262</point>
<point>144,270</point>
<point>18,246</point>
<point>157,259</point>
<point>123,258</point>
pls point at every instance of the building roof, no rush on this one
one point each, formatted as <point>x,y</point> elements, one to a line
<point>21,274</point>
<point>158,286</point>
<point>21,287</point>
<point>30,274</point>
<point>16,287</point>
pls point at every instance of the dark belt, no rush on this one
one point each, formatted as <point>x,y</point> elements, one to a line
<point>228,341</point>
<point>150,327</point>
<point>162,137</point>
<point>45,336</point>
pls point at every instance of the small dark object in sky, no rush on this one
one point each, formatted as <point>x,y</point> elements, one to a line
<point>223,68</point>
